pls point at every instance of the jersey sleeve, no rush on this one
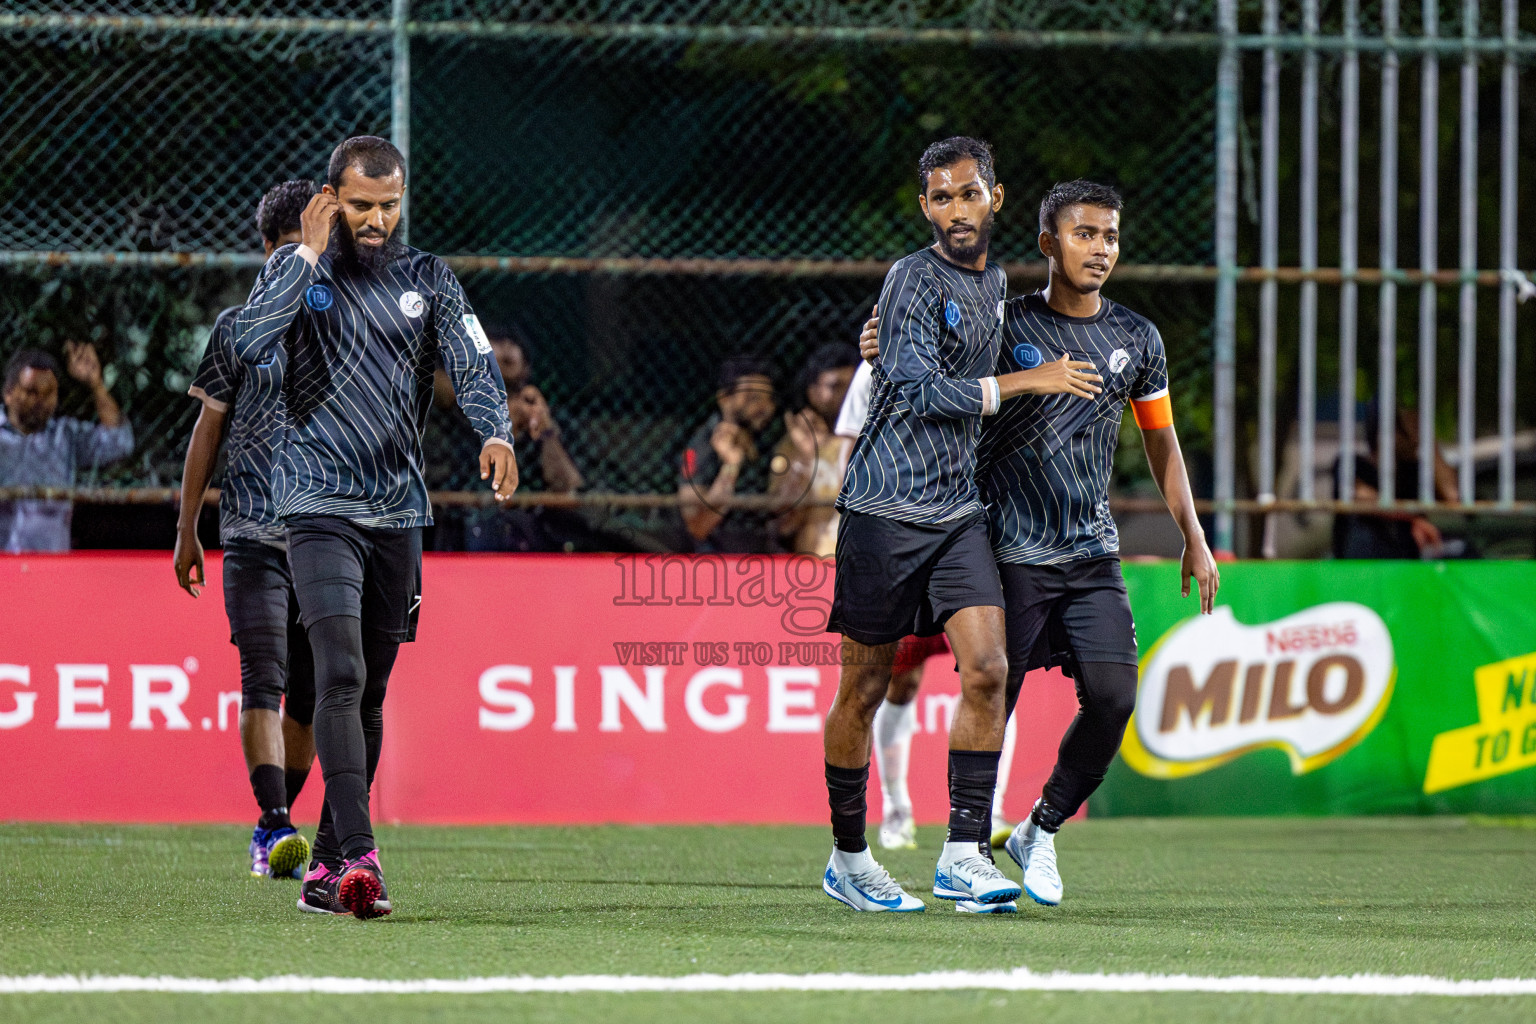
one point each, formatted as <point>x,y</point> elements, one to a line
<point>274,303</point>
<point>850,419</point>
<point>910,313</point>
<point>218,375</point>
<point>465,352</point>
<point>1149,394</point>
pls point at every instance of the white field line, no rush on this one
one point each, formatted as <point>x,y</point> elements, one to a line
<point>1019,980</point>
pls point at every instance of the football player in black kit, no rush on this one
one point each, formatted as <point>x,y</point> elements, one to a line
<point>1043,466</point>
<point>362,319</point>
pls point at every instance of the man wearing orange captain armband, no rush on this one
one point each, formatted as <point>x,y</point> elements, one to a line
<point>1043,467</point>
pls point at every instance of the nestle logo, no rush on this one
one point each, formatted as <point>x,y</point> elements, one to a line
<point>1311,637</point>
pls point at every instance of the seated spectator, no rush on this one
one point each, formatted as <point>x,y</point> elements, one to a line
<point>1398,534</point>
<point>722,459</point>
<point>39,449</point>
<point>543,462</point>
<point>807,463</point>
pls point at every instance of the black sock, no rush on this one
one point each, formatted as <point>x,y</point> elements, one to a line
<point>845,794</point>
<point>267,784</point>
<point>972,778</point>
<point>293,782</point>
<point>1046,815</point>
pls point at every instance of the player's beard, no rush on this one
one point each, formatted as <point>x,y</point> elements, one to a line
<point>980,239</point>
<point>366,259</point>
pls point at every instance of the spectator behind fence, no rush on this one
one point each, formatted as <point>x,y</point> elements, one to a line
<point>1401,534</point>
<point>807,463</point>
<point>543,462</point>
<point>722,459</point>
<point>39,449</point>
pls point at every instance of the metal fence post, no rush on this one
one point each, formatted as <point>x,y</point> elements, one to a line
<point>1306,357</point>
<point>1269,258</point>
<point>400,102</point>
<point>1349,248</point>
<point>1386,345</point>
<point>1225,418</point>
<point>1429,213</point>
<point>1508,198</point>
<point>1466,398</point>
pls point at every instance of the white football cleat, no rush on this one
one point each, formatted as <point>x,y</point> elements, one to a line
<point>965,874</point>
<point>858,880</point>
<point>1034,850</point>
<point>972,907</point>
<point>898,831</point>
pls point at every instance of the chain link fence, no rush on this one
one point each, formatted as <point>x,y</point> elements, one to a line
<point>748,168</point>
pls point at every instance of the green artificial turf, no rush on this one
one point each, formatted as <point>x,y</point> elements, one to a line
<point>1282,897</point>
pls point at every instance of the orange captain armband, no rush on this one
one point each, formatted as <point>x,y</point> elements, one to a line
<point>1153,412</point>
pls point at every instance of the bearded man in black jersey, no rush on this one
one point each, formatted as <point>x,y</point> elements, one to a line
<point>362,319</point>
<point>1043,467</point>
<point>912,550</point>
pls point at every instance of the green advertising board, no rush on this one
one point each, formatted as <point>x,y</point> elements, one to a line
<point>1333,688</point>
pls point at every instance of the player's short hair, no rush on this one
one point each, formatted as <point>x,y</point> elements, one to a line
<point>280,210</point>
<point>28,359</point>
<point>950,152</point>
<point>737,367</point>
<point>834,355</point>
<point>1076,193</point>
<point>373,156</point>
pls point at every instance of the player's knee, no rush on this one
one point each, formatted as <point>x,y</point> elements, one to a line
<point>985,674</point>
<point>263,668</point>
<point>1112,689</point>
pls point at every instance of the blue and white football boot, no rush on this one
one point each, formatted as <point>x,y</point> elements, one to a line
<point>1034,849</point>
<point>858,880</point>
<point>965,873</point>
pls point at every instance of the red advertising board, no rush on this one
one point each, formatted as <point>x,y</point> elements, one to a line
<point>543,689</point>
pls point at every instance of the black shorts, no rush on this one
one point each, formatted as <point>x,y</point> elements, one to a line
<point>896,579</point>
<point>371,573</point>
<point>258,596</point>
<point>1075,611</point>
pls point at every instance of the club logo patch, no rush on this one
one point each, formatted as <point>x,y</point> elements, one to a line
<point>952,313</point>
<point>319,298</point>
<point>1026,355</point>
<point>477,334</point>
<point>1118,360</point>
<point>1312,684</point>
<point>411,304</point>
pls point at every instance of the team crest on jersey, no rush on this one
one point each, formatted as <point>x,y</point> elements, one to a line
<point>411,304</point>
<point>1118,360</point>
<point>319,298</point>
<point>952,313</point>
<point>1026,355</point>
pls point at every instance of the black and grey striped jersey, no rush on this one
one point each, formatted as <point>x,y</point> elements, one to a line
<point>940,327</point>
<point>358,381</point>
<point>252,397</point>
<point>1044,462</point>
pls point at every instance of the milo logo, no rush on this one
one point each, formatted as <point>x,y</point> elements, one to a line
<point>1312,684</point>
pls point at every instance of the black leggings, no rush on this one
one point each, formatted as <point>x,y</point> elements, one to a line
<point>1106,696</point>
<point>351,674</point>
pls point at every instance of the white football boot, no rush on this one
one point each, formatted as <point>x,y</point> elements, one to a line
<point>898,831</point>
<point>972,907</point>
<point>858,880</point>
<point>964,873</point>
<point>1034,850</point>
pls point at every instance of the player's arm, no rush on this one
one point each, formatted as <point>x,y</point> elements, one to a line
<point>202,454</point>
<point>1154,415</point>
<point>214,385</point>
<point>1064,376</point>
<point>275,301</point>
<point>464,348</point>
<point>909,339</point>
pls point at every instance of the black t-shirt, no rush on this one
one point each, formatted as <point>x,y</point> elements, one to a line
<point>741,531</point>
